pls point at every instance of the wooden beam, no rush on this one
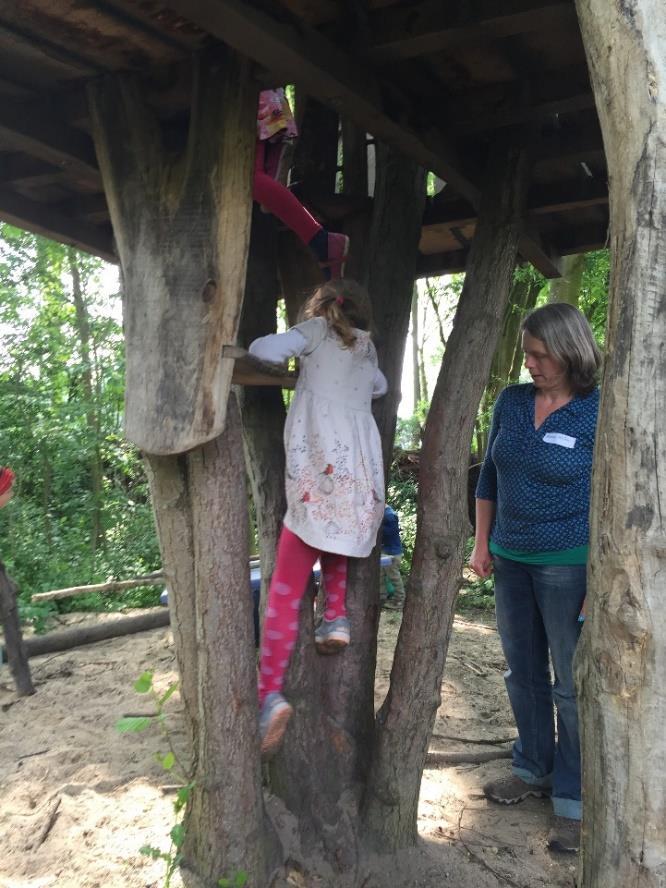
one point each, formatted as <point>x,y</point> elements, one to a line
<point>47,138</point>
<point>556,197</point>
<point>432,26</point>
<point>18,168</point>
<point>302,55</point>
<point>523,112</point>
<point>542,255</point>
<point>43,52</point>
<point>43,219</point>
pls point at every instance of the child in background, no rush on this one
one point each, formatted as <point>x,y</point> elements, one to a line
<point>6,486</point>
<point>334,479</point>
<point>276,127</point>
<point>392,545</point>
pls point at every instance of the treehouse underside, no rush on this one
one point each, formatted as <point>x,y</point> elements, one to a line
<point>443,83</point>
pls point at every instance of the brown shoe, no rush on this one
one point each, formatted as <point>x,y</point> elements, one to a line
<point>511,790</point>
<point>564,835</point>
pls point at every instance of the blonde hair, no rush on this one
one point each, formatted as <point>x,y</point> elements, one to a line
<point>567,335</point>
<point>344,304</point>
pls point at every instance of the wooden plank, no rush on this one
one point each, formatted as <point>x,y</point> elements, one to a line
<point>521,113</point>
<point>432,26</point>
<point>47,138</point>
<point>249,370</point>
<point>543,256</point>
<point>42,52</point>
<point>304,56</point>
<point>43,219</point>
<point>19,168</point>
<point>550,198</point>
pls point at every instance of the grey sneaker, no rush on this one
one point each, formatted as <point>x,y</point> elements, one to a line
<point>332,636</point>
<point>511,790</point>
<point>564,835</point>
<point>273,719</point>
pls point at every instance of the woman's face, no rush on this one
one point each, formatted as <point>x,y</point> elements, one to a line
<point>547,373</point>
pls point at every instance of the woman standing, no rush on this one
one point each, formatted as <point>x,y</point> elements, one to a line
<point>532,531</point>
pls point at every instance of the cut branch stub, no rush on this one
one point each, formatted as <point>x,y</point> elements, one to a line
<point>182,228</point>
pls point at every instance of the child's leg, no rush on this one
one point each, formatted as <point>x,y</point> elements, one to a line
<point>293,567</point>
<point>330,248</point>
<point>334,570</point>
<point>284,205</point>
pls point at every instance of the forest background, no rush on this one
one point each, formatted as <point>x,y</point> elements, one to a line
<point>81,513</point>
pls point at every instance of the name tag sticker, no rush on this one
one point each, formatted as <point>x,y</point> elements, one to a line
<point>559,438</point>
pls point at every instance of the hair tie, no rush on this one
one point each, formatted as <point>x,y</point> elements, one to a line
<point>340,300</point>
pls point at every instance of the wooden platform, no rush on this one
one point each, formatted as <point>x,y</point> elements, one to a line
<point>440,81</point>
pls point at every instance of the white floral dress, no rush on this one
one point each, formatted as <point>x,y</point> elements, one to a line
<point>334,466</point>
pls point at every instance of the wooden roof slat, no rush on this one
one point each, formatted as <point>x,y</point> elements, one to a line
<point>19,168</point>
<point>38,50</point>
<point>307,58</point>
<point>404,33</point>
<point>51,140</point>
<point>47,221</point>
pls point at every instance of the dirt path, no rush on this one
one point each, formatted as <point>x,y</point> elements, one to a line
<point>78,800</point>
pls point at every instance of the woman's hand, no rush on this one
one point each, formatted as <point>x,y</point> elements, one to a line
<point>481,560</point>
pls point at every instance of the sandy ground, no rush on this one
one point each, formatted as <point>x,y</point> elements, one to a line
<point>78,800</point>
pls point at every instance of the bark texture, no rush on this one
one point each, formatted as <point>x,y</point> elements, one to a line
<point>404,722</point>
<point>181,222</point>
<point>14,644</point>
<point>200,506</point>
<point>322,766</point>
<point>181,217</point>
<point>622,656</point>
<point>262,407</point>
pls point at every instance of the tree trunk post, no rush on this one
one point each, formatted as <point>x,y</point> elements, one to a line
<point>621,659</point>
<point>404,722</point>
<point>262,408</point>
<point>321,768</point>
<point>16,653</point>
<point>181,223</point>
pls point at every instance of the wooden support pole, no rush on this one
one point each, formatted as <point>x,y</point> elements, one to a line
<point>16,653</point>
<point>405,720</point>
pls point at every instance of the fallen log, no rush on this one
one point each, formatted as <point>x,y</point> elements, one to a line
<point>14,643</point>
<point>82,635</point>
<point>155,578</point>
<point>443,759</point>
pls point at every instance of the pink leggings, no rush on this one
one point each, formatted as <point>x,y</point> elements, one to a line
<point>277,199</point>
<point>295,560</point>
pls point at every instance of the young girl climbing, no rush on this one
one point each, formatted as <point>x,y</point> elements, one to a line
<point>334,479</point>
<point>276,127</point>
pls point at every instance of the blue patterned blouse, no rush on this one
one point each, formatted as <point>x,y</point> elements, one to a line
<point>539,478</point>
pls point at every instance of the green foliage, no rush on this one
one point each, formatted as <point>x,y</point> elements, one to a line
<point>401,496</point>
<point>169,761</point>
<point>82,512</point>
<point>236,881</point>
<point>593,299</point>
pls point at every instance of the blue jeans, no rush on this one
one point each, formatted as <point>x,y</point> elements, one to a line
<point>537,611</point>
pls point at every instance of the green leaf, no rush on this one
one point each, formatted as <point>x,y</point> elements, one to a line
<point>173,687</point>
<point>168,761</point>
<point>144,683</point>
<point>132,724</point>
<point>224,883</point>
<point>182,797</point>
<point>149,851</point>
<point>240,879</point>
<point>178,834</point>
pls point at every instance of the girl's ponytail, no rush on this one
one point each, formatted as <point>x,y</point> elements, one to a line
<point>344,304</point>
